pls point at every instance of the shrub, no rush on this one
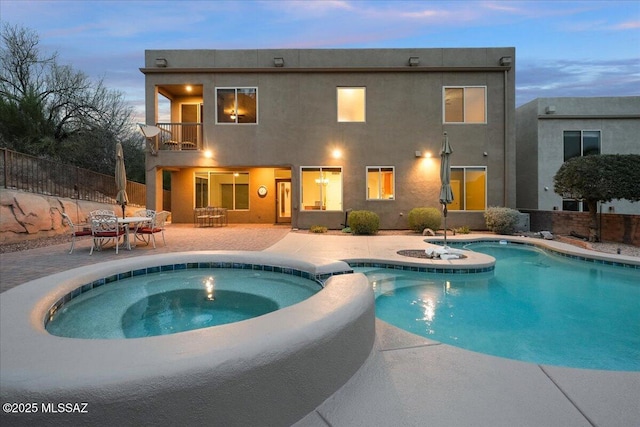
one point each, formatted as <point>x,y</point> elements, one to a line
<point>364,222</point>
<point>462,230</point>
<point>317,229</point>
<point>421,218</point>
<point>501,220</point>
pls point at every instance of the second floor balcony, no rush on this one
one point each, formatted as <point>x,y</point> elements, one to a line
<point>179,136</point>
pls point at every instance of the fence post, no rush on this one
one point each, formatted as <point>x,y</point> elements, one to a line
<point>6,176</point>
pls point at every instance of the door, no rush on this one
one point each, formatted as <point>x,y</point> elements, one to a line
<point>190,118</point>
<point>283,201</point>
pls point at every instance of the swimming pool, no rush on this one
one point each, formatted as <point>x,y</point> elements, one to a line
<point>175,301</point>
<point>535,306</point>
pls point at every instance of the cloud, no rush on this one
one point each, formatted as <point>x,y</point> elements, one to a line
<point>577,78</point>
<point>629,25</point>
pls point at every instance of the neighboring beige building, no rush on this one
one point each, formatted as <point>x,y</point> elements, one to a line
<point>553,130</point>
<point>301,136</point>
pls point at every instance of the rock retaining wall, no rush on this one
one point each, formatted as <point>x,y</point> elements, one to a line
<point>26,216</point>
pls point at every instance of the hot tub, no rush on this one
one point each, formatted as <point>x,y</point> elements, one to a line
<point>270,370</point>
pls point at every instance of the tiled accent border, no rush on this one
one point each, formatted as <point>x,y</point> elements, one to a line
<point>318,278</point>
<point>440,270</point>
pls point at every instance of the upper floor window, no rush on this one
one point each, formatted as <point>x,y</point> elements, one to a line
<point>380,183</point>
<point>581,143</point>
<point>237,105</point>
<point>321,188</point>
<point>351,104</point>
<point>469,187</point>
<point>465,104</point>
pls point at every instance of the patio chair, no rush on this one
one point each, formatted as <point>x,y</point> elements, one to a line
<point>200,217</point>
<point>147,232</point>
<point>218,216</point>
<point>76,230</point>
<point>105,228</point>
<point>102,212</point>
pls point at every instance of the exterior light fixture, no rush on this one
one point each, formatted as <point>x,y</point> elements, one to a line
<point>414,61</point>
<point>208,154</point>
<point>336,154</point>
<point>188,88</point>
<point>418,153</point>
<point>551,109</point>
<point>278,62</point>
<point>161,62</point>
<point>505,61</point>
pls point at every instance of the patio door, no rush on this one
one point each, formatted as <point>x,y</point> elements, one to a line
<point>283,201</point>
<point>190,116</point>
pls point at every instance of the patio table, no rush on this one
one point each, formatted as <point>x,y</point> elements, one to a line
<point>127,222</point>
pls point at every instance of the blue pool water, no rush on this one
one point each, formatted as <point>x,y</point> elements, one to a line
<point>176,301</point>
<point>536,307</point>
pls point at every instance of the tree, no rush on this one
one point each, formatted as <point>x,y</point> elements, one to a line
<point>53,111</point>
<point>599,178</point>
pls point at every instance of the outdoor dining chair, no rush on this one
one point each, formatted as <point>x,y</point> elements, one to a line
<point>147,231</point>
<point>76,230</point>
<point>102,212</point>
<point>105,228</point>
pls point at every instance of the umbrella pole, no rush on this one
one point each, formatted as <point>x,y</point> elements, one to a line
<point>444,210</point>
<point>123,211</point>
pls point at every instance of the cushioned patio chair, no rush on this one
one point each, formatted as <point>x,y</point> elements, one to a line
<point>76,230</point>
<point>146,232</point>
<point>105,228</point>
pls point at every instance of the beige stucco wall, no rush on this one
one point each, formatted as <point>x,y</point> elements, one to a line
<point>297,124</point>
<point>541,145</point>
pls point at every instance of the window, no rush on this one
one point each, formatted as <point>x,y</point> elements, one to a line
<point>581,143</point>
<point>237,105</point>
<point>465,104</point>
<point>572,205</point>
<point>222,189</point>
<point>469,188</point>
<point>321,188</point>
<point>351,104</point>
<point>380,183</point>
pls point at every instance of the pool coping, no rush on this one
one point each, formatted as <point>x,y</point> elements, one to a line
<point>257,370</point>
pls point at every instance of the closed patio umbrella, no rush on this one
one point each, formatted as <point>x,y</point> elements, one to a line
<point>121,178</point>
<point>446,195</point>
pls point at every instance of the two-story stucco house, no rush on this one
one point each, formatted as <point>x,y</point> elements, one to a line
<point>551,131</point>
<point>301,136</point>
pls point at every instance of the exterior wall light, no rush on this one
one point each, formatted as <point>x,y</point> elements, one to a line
<point>208,154</point>
<point>278,62</point>
<point>414,61</point>
<point>505,61</point>
<point>418,153</point>
<point>336,153</point>
<point>161,62</point>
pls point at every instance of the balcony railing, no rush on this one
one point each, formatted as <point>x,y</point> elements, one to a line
<point>179,136</point>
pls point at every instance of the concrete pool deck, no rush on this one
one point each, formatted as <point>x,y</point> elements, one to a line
<point>407,380</point>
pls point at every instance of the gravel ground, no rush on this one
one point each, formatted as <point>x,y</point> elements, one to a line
<point>607,247</point>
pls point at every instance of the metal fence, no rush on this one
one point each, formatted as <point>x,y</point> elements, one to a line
<point>42,176</point>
